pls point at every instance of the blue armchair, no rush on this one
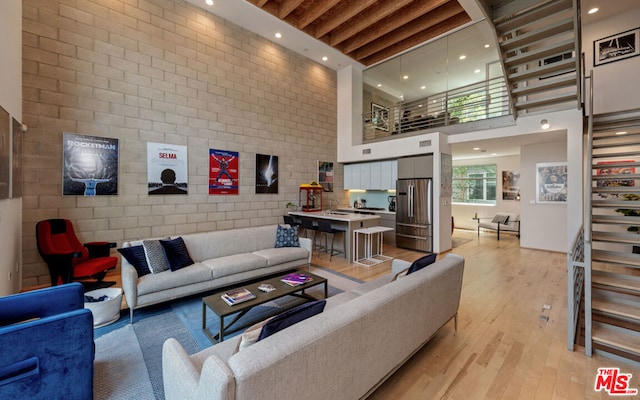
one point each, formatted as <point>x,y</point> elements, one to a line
<point>46,344</point>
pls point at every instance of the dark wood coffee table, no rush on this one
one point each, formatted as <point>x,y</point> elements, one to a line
<point>222,309</point>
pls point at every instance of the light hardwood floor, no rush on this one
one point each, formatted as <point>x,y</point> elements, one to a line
<point>508,346</point>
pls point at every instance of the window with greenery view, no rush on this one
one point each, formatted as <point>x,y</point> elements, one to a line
<point>474,184</point>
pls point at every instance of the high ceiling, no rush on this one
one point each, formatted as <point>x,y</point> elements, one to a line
<point>369,31</point>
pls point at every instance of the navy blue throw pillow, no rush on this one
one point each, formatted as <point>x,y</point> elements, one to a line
<point>135,256</point>
<point>422,262</point>
<point>177,253</point>
<point>291,317</point>
<point>287,237</point>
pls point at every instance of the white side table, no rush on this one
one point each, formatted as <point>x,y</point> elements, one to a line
<point>369,235</point>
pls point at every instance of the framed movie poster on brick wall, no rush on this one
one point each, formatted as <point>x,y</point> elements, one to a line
<point>224,172</point>
<point>5,160</point>
<point>266,173</point>
<point>16,159</point>
<point>90,165</point>
<point>167,169</point>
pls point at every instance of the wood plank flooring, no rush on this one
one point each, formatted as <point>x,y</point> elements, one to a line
<point>508,345</point>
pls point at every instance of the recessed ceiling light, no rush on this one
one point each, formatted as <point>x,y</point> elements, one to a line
<point>477,71</point>
<point>405,77</point>
<point>486,46</point>
<point>423,87</point>
<point>476,148</point>
<point>494,154</point>
<point>462,57</point>
<point>593,10</point>
<point>325,58</point>
<point>419,105</point>
<point>209,2</point>
<point>278,35</point>
<point>621,133</point>
<point>379,85</point>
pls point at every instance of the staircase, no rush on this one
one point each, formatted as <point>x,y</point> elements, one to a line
<point>540,49</point>
<point>615,235</point>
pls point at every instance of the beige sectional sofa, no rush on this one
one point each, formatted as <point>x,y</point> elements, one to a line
<point>221,259</point>
<point>345,352</point>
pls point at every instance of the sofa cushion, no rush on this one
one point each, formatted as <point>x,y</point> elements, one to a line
<point>233,264</point>
<point>136,257</point>
<point>155,255</point>
<point>193,274</point>
<point>291,317</point>
<point>422,262</point>
<point>287,236</point>
<point>283,255</point>
<point>176,253</point>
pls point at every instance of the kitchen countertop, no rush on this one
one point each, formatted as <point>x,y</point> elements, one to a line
<point>355,210</point>
<point>335,216</point>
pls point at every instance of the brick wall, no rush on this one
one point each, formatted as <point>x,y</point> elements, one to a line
<point>164,71</point>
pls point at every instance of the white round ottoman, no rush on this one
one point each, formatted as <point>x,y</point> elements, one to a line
<point>105,311</point>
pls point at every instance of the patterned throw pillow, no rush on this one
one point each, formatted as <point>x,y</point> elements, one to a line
<point>500,219</point>
<point>287,237</point>
<point>136,257</point>
<point>177,253</point>
<point>155,255</point>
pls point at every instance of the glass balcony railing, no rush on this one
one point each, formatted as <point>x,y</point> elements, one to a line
<point>478,101</point>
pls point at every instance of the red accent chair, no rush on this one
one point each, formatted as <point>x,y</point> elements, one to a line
<point>68,259</point>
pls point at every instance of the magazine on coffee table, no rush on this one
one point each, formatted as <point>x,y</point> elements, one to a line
<point>237,296</point>
<point>295,279</point>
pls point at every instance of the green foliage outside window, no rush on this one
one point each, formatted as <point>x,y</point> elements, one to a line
<point>474,184</point>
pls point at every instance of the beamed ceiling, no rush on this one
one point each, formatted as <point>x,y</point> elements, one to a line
<point>369,31</point>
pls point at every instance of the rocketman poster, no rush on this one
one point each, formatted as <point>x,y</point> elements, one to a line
<point>223,172</point>
<point>90,165</point>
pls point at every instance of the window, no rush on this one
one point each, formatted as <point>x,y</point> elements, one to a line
<point>474,184</point>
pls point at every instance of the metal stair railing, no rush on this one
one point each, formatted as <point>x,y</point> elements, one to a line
<point>575,285</point>
<point>588,342</point>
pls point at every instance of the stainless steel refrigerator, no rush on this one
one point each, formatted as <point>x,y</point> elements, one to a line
<point>414,214</point>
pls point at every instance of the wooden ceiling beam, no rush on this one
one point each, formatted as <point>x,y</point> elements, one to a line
<point>287,7</point>
<point>345,14</point>
<point>259,3</point>
<point>384,12</point>
<point>378,37</point>
<point>314,12</point>
<point>417,39</point>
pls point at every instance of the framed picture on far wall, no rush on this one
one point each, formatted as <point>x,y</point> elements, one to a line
<point>325,175</point>
<point>510,185</point>
<point>167,169</point>
<point>5,158</point>
<point>266,173</point>
<point>616,47</point>
<point>551,182</point>
<point>224,173</point>
<point>16,161</point>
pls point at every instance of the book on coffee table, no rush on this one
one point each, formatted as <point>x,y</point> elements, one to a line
<point>237,296</point>
<point>295,279</point>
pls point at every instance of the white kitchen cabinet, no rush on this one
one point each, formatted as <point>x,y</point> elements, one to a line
<point>376,175</point>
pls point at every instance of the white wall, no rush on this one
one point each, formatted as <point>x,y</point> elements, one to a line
<point>11,100</point>
<point>616,84</point>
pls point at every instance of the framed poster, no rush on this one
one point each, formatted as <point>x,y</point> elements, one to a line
<point>325,175</point>
<point>510,185</point>
<point>551,182</point>
<point>5,152</point>
<point>90,165</point>
<point>16,159</point>
<point>167,169</point>
<point>223,172</point>
<point>616,47</point>
<point>266,173</point>
<point>380,117</point>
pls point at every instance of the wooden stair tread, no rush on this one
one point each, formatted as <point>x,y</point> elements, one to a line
<point>621,310</point>
<point>618,338</point>
<point>615,257</point>
<point>618,281</point>
<point>629,238</point>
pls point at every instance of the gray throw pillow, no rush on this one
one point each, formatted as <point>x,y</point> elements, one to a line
<point>500,219</point>
<point>155,255</point>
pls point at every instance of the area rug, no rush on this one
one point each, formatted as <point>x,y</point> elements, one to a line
<point>128,361</point>
<point>457,242</point>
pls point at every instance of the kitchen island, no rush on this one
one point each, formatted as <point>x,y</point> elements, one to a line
<point>341,220</point>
